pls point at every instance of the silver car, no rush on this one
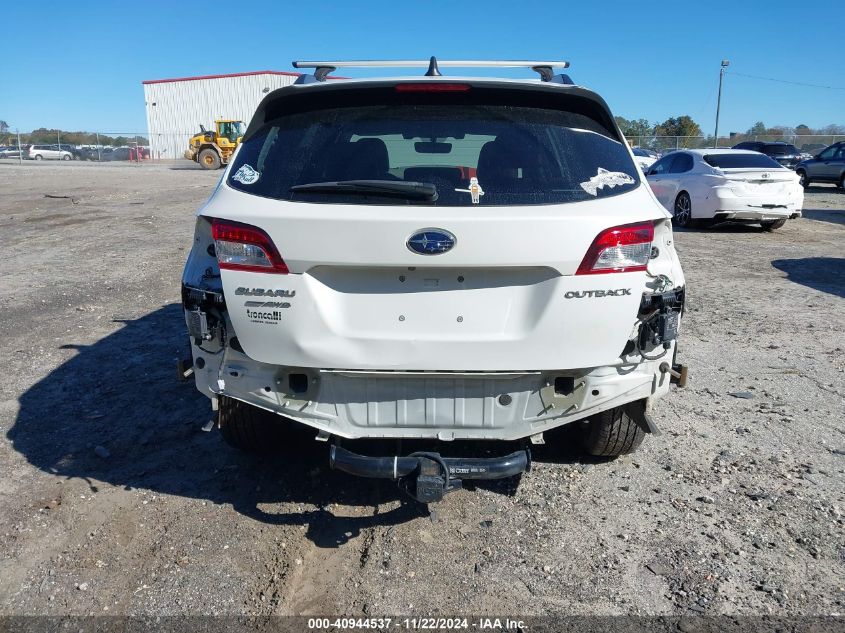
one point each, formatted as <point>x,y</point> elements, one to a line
<point>39,152</point>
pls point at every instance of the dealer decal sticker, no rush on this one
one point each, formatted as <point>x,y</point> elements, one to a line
<point>268,313</point>
<point>247,175</point>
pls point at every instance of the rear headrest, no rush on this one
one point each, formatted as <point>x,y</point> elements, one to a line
<point>371,153</point>
<point>500,159</point>
<point>365,159</point>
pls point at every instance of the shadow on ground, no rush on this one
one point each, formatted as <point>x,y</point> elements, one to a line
<point>122,393</point>
<point>836,216</point>
<point>822,273</point>
<point>721,227</point>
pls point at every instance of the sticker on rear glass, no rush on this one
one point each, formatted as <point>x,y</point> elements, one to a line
<point>475,190</point>
<point>247,175</point>
<point>605,178</point>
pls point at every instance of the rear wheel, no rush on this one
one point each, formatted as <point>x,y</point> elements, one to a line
<point>249,428</point>
<point>683,210</point>
<point>842,181</point>
<point>38,157</point>
<point>209,159</point>
<point>66,157</point>
<point>771,225</point>
<point>261,432</point>
<point>802,178</point>
<point>612,433</point>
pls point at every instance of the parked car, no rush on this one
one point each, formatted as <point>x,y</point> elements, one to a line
<point>10,152</point>
<point>89,153</point>
<point>118,153</point>
<point>48,152</point>
<point>784,153</point>
<point>644,158</point>
<point>827,166</point>
<point>75,152</point>
<point>726,184</point>
<point>433,259</point>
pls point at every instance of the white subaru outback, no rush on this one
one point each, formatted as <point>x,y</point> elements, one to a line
<point>437,258</point>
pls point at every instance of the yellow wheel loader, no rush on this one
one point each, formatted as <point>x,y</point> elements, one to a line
<point>213,148</point>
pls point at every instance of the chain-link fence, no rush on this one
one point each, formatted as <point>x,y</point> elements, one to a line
<point>807,143</point>
<point>140,147</point>
<point>103,147</point>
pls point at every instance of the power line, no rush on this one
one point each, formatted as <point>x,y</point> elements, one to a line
<point>784,81</point>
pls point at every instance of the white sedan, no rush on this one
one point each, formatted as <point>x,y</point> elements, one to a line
<point>726,184</point>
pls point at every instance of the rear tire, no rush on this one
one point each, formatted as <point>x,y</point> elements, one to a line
<point>65,157</point>
<point>802,178</point>
<point>249,428</point>
<point>682,214</point>
<point>842,181</point>
<point>38,157</point>
<point>612,433</point>
<point>209,159</point>
<point>771,225</point>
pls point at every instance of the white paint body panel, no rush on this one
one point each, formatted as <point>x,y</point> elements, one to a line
<point>350,309</point>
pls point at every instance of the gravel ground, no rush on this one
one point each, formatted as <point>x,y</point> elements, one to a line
<point>113,499</point>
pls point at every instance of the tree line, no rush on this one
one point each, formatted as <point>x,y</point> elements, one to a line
<point>45,136</point>
<point>685,126</point>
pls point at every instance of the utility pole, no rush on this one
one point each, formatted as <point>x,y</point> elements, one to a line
<point>20,152</point>
<point>725,64</point>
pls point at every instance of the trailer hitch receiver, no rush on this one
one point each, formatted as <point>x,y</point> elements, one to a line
<point>427,477</point>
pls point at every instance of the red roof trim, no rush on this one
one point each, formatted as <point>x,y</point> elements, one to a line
<point>257,72</point>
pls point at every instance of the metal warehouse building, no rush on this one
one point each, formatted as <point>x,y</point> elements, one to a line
<point>176,107</point>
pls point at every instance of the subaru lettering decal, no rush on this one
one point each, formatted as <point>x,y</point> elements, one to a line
<point>431,241</point>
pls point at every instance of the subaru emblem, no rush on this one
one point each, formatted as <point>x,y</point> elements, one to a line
<point>431,241</point>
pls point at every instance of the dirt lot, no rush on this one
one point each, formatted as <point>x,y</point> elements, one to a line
<point>113,499</point>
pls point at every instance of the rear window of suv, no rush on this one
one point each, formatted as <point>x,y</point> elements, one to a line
<point>515,155</point>
<point>780,150</point>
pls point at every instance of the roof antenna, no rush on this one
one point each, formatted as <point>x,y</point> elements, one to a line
<point>433,70</point>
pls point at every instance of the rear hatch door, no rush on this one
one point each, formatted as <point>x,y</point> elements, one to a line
<point>522,193</point>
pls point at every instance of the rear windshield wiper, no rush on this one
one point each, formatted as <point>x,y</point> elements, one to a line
<point>391,188</point>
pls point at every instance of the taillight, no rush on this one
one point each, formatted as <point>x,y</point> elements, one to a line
<point>620,249</point>
<point>244,247</point>
<point>431,87</point>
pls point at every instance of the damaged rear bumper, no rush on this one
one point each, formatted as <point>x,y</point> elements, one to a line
<point>427,476</point>
<point>759,214</point>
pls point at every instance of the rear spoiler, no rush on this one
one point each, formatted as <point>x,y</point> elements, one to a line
<point>315,94</point>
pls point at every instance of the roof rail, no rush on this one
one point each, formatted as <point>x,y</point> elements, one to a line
<point>544,68</point>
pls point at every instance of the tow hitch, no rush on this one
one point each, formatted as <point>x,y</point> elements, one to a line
<point>677,373</point>
<point>427,477</point>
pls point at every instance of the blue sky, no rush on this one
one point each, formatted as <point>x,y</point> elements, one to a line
<point>78,65</point>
